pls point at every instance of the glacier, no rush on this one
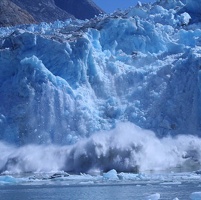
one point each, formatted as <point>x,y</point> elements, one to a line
<point>120,91</point>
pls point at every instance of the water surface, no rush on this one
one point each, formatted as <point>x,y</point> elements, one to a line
<point>168,191</point>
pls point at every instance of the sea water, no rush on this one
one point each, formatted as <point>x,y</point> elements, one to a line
<point>134,191</point>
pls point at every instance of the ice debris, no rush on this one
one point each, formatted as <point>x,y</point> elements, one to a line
<point>155,196</point>
<point>195,196</point>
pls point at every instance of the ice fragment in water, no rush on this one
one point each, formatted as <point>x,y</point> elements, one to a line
<point>195,196</point>
<point>111,175</point>
<point>154,197</point>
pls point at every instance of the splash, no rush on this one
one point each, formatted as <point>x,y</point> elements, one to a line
<point>127,148</point>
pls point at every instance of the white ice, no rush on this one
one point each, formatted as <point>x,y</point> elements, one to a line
<point>195,196</point>
<point>154,197</point>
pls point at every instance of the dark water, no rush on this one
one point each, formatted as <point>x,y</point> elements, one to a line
<point>98,192</point>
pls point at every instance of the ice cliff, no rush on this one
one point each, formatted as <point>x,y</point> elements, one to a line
<point>63,81</point>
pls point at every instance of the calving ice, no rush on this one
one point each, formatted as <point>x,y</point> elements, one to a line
<point>119,91</point>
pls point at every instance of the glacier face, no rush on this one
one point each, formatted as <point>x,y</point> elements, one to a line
<point>64,81</point>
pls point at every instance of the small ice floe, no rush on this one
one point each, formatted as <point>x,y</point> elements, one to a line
<point>111,175</point>
<point>153,197</point>
<point>172,183</point>
<point>195,196</point>
<point>7,180</point>
<point>87,183</point>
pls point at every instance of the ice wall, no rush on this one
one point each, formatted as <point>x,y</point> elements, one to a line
<point>64,81</point>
